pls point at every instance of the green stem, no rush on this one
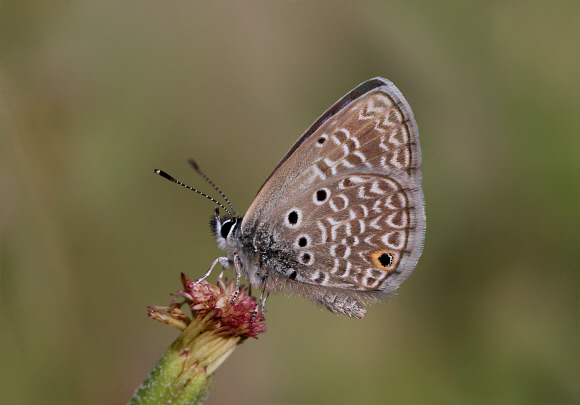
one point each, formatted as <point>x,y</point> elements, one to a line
<point>185,372</point>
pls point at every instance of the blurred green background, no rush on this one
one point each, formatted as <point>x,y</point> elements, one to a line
<point>95,95</point>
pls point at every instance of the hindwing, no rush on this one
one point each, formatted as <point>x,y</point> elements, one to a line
<point>361,231</point>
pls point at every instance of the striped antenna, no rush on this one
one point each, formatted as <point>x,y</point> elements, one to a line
<point>211,183</point>
<point>170,178</point>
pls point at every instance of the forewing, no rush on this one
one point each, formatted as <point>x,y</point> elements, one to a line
<point>371,128</point>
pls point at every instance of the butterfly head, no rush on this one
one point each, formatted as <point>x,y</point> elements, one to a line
<point>223,229</point>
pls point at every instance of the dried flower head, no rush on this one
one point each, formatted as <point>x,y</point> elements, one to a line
<point>222,316</point>
<point>223,307</point>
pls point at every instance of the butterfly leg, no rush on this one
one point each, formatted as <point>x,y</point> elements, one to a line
<point>238,267</point>
<point>263,304</point>
<point>221,273</point>
<point>343,304</point>
<point>260,309</point>
<point>262,300</point>
<point>221,260</point>
<point>237,292</point>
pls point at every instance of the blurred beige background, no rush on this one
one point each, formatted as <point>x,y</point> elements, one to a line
<point>95,95</point>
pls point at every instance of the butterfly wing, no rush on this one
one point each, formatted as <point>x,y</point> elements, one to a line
<point>374,118</point>
<point>345,204</point>
<point>357,92</point>
<point>359,230</point>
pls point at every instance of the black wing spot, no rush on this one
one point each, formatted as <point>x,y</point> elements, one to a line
<point>386,259</point>
<point>293,217</point>
<point>320,278</point>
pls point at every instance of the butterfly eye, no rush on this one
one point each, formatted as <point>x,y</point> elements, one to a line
<point>226,227</point>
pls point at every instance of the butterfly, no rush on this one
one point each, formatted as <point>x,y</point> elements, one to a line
<point>341,218</point>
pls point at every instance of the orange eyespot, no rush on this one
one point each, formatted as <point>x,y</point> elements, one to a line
<point>384,259</point>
